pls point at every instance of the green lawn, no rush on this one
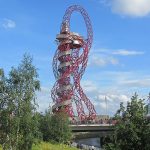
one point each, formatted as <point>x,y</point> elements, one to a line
<point>49,146</point>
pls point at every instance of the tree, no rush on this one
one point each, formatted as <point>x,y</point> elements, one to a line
<point>45,126</point>
<point>132,130</point>
<point>19,125</point>
<point>55,127</point>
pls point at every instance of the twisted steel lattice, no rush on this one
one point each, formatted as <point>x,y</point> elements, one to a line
<point>69,65</point>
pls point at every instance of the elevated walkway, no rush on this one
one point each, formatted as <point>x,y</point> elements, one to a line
<point>92,127</point>
<point>91,130</point>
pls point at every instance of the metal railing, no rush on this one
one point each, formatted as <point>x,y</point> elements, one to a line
<point>97,122</point>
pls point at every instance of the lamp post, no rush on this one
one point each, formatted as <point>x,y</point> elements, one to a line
<point>106,105</point>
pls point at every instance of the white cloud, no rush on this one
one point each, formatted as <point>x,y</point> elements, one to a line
<point>8,23</point>
<point>113,97</point>
<point>116,86</point>
<point>145,83</point>
<point>119,98</point>
<point>109,103</point>
<point>43,99</point>
<point>97,94</point>
<point>102,61</point>
<point>102,105</point>
<point>109,52</point>
<point>127,52</point>
<point>89,86</point>
<point>133,8</point>
<point>120,89</point>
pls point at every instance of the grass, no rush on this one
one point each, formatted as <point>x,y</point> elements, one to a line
<point>49,146</point>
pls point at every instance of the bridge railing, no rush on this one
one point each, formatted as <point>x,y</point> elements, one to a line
<point>100,121</point>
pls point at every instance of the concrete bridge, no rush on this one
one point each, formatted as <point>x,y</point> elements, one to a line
<point>85,131</point>
<point>91,130</point>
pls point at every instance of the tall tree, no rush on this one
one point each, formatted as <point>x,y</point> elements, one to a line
<point>132,130</point>
<point>55,127</point>
<point>18,107</point>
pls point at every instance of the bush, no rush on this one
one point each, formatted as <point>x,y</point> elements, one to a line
<point>132,130</point>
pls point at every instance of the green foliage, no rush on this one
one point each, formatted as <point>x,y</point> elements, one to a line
<point>55,127</point>
<point>132,130</point>
<point>21,125</point>
<point>50,146</point>
<point>19,120</point>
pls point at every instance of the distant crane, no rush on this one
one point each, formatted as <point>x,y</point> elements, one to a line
<point>106,105</point>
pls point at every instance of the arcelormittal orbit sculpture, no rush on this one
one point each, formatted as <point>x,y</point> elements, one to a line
<point>69,64</point>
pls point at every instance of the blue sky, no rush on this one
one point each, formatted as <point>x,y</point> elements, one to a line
<point>118,61</point>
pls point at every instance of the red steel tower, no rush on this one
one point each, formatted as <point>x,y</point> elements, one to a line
<point>69,64</point>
